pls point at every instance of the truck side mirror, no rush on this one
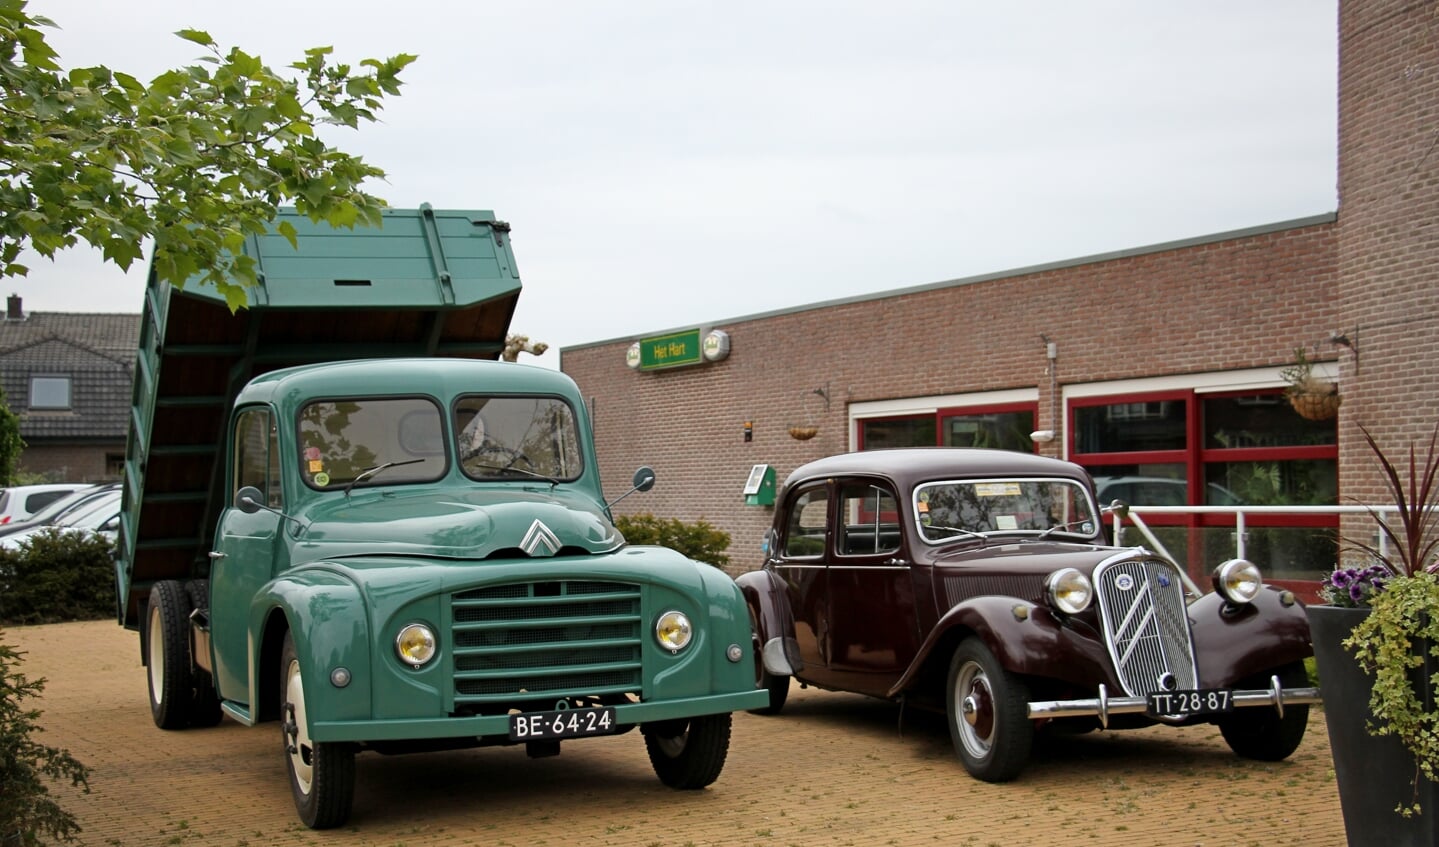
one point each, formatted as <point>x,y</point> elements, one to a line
<point>644,480</point>
<point>248,499</point>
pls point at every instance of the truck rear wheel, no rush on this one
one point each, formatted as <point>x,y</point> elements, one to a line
<point>988,713</point>
<point>322,773</point>
<point>688,753</point>
<point>167,655</point>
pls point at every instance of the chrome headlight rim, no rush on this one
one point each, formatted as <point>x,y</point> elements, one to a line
<point>1069,590</point>
<point>674,631</point>
<point>416,645</point>
<point>1238,581</point>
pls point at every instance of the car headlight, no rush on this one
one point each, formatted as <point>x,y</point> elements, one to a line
<point>1238,580</point>
<point>1069,590</point>
<point>415,644</point>
<point>673,631</point>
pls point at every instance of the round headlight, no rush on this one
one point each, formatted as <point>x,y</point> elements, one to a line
<point>673,631</point>
<point>415,644</point>
<point>1069,590</point>
<point>1238,580</point>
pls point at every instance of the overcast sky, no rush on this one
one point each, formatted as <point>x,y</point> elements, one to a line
<point>669,163</point>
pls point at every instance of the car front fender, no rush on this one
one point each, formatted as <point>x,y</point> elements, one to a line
<point>1026,639</point>
<point>1235,642</point>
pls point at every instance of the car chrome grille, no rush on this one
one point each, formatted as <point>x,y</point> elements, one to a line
<point>1146,625</point>
<point>544,640</point>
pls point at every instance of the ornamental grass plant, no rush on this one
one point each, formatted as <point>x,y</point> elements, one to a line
<point>1398,642</point>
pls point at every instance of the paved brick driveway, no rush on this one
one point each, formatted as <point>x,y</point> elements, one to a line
<point>834,769</point>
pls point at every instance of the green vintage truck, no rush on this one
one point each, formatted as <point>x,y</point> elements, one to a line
<point>344,517</point>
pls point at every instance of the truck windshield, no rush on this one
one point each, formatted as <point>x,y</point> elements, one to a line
<point>340,440</point>
<point>510,437</point>
<point>948,510</point>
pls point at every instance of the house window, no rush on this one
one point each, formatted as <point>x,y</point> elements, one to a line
<point>1005,426</point>
<point>1184,448</point>
<point>49,392</point>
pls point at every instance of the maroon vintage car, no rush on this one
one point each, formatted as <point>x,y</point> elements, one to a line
<point>978,582</point>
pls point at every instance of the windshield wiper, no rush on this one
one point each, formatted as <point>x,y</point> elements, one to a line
<point>512,469</point>
<point>1060,527</point>
<point>968,534</point>
<point>369,472</point>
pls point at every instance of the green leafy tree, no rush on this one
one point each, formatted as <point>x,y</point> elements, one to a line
<point>700,540</point>
<point>195,160</point>
<point>27,811</point>
<point>10,442</point>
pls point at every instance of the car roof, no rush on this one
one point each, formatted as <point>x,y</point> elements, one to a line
<point>908,466</point>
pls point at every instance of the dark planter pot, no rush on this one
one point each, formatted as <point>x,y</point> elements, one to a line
<point>1374,774</point>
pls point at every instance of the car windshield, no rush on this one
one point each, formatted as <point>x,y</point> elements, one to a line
<point>950,510</point>
<point>344,442</point>
<point>517,437</point>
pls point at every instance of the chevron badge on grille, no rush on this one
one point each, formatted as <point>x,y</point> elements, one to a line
<point>540,540</point>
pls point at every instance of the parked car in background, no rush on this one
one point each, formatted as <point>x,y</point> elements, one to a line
<point>977,583</point>
<point>21,501</point>
<point>100,515</point>
<point>56,509</point>
<point>1158,491</point>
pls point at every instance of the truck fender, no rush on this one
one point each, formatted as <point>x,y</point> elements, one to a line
<point>1235,642</point>
<point>1025,638</point>
<point>773,624</point>
<point>328,620</point>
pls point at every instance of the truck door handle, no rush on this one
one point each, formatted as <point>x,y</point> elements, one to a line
<point>216,555</point>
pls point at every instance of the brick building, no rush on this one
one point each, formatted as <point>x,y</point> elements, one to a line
<point>1158,368</point>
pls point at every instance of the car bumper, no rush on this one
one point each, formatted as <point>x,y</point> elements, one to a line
<point>1102,706</point>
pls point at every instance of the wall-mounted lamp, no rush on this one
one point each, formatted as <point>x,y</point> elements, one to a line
<point>1042,436</point>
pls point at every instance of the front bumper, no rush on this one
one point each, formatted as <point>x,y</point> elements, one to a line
<point>1276,696</point>
<point>411,729</point>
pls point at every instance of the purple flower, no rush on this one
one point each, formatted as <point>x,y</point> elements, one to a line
<point>1354,587</point>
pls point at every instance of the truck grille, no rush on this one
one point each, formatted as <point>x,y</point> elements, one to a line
<point>1146,625</point>
<point>545,640</point>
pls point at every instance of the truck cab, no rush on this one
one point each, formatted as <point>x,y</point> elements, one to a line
<point>334,525</point>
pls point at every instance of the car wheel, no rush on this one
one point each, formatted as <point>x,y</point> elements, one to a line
<point>167,655</point>
<point>688,754</point>
<point>1260,733</point>
<point>777,686</point>
<point>988,713</point>
<point>322,774</point>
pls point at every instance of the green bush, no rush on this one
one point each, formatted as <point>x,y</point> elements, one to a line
<point>26,809</point>
<point>700,540</point>
<point>57,576</point>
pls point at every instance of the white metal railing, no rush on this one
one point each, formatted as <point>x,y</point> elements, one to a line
<point>1136,513</point>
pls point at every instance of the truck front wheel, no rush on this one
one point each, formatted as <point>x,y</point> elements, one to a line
<point>167,655</point>
<point>322,774</point>
<point>688,753</point>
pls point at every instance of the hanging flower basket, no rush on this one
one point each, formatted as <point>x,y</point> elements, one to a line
<point>1311,395</point>
<point>803,433</point>
<point>1316,407</point>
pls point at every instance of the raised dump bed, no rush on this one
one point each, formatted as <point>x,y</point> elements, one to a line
<point>426,283</point>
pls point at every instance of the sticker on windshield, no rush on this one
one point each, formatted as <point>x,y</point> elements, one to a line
<point>322,479</point>
<point>1005,522</point>
<point>996,489</point>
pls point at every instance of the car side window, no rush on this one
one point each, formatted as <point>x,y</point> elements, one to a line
<point>870,517</point>
<point>804,534</point>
